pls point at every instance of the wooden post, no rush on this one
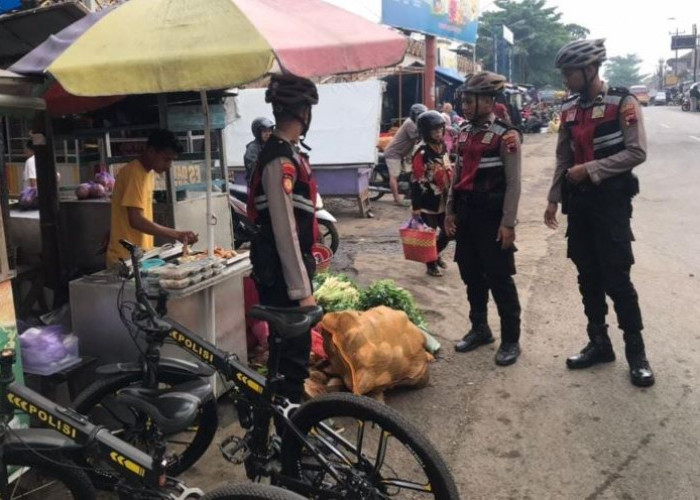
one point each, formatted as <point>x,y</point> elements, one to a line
<point>429,78</point>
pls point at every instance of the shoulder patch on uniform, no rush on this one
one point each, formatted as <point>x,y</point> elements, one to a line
<point>629,112</point>
<point>288,173</point>
<point>510,139</point>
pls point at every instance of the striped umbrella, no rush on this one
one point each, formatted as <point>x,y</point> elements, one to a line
<point>156,46</point>
<point>153,46</point>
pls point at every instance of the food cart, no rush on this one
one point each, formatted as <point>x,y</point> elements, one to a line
<point>343,136</point>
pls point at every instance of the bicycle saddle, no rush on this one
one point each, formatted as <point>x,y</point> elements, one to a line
<point>288,322</point>
<point>171,410</point>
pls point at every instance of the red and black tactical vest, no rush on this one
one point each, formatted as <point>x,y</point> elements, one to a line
<point>303,193</point>
<point>482,168</point>
<point>594,131</point>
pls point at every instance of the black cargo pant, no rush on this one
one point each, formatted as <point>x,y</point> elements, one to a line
<point>272,289</point>
<point>484,265</point>
<point>600,245</point>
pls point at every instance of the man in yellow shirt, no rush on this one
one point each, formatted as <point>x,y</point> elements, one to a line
<point>132,199</point>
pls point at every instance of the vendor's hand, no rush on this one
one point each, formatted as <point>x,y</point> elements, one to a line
<point>308,301</point>
<point>187,237</point>
<point>550,215</point>
<point>506,235</point>
<point>577,174</point>
<point>417,214</point>
<point>450,225</point>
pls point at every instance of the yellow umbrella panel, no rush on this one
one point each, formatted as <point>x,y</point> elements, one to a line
<point>159,46</point>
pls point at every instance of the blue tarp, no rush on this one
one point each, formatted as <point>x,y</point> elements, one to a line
<point>449,73</point>
<point>8,5</point>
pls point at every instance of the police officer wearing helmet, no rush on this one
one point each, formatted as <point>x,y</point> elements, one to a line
<point>262,128</point>
<point>431,178</point>
<point>601,139</point>
<point>482,213</point>
<point>402,146</point>
<point>282,204</point>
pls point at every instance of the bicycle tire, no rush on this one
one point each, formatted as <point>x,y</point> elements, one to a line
<point>208,423</point>
<point>360,408</point>
<point>250,491</point>
<point>75,481</point>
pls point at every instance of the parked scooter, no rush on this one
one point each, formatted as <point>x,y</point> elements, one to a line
<point>379,181</point>
<point>244,229</point>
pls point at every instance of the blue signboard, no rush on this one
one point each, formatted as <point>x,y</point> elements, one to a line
<point>452,19</point>
<point>7,5</point>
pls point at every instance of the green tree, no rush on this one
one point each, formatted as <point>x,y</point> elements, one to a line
<point>539,33</point>
<point>623,71</point>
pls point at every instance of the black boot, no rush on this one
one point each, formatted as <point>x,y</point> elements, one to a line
<point>480,334</point>
<point>640,371</point>
<point>507,353</point>
<point>598,350</point>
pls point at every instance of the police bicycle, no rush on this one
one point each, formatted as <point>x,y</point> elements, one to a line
<point>38,464</point>
<point>333,446</point>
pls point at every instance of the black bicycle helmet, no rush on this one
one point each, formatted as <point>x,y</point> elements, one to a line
<point>416,110</point>
<point>290,91</point>
<point>581,53</point>
<point>259,124</point>
<point>429,121</point>
<point>484,83</point>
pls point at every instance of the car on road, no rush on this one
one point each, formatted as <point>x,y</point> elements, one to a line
<point>660,98</point>
<point>641,92</point>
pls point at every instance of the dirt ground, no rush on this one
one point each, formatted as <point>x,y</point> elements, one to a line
<point>536,430</point>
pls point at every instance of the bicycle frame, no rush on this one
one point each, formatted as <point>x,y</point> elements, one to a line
<point>131,463</point>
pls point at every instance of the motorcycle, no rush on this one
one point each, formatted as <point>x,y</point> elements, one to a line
<point>685,105</point>
<point>244,229</point>
<point>379,181</point>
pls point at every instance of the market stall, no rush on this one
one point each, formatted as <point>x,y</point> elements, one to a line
<point>343,136</point>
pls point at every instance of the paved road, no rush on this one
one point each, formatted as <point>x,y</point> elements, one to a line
<point>536,430</point>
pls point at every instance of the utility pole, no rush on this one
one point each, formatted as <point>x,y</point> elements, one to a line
<point>695,53</point>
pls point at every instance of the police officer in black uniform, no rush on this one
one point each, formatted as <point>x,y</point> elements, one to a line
<point>282,204</point>
<point>601,139</point>
<point>482,210</point>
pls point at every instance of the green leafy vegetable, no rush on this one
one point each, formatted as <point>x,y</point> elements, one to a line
<point>337,293</point>
<point>386,293</point>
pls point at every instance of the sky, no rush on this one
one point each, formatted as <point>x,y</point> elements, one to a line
<point>629,26</point>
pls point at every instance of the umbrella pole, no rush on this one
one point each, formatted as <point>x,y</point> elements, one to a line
<point>209,298</point>
<point>207,167</point>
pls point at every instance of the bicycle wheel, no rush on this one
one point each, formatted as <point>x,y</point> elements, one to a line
<point>250,491</point>
<point>377,452</point>
<point>182,449</point>
<point>35,478</point>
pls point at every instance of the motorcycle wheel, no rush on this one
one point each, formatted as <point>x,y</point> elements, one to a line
<point>328,235</point>
<point>377,179</point>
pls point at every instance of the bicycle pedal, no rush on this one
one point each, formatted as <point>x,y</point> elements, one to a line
<point>235,449</point>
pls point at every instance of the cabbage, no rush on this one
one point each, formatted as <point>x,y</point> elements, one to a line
<point>83,191</point>
<point>105,179</point>
<point>97,191</point>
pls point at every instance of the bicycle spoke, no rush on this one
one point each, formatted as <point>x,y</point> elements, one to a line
<point>381,452</point>
<point>360,438</point>
<point>407,485</point>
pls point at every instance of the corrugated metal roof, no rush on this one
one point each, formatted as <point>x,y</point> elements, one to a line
<point>21,31</point>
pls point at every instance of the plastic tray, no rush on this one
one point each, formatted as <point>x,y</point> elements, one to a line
<point>52,368</point>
